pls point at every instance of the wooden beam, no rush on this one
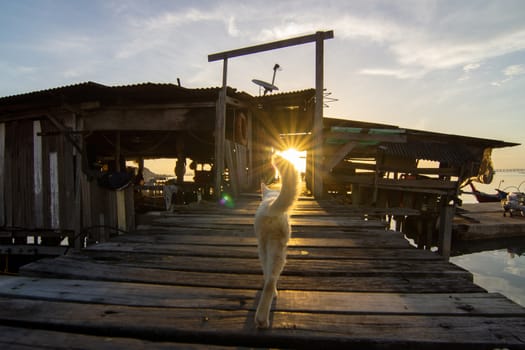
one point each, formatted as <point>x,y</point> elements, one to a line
<point>149,119</point>
<point>2,174</point>
<point>38,175</point>
<point>430,185</point>
<point>65,130</point>
<point>271,46</point>
<point>161,106</point>
<point>335,135</point>
<point>445,230</point>
<point>232,168</point>
<point>77,240</point>
<point>54,194</point>
<point>318,38</point>
<point>339,155</point>
<point>220,131</point>
<point>120,197</point>
<point>318,116</point>
<point>407,170</point>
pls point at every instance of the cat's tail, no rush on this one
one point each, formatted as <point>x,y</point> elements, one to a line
<point>289,185</point>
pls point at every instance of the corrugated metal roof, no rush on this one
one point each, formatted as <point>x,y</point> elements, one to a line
<point>452,154</point>
<point>123,94</point>
<point>287,98</point>
<point>421,136</point>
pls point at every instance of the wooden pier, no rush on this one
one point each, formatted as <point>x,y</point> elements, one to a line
<point>191,279</point>
<point>483,221</point>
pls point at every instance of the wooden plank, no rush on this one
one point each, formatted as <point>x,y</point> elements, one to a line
<point>2,175</point>
<point>408,185</point>
<point>54,186</point>
<point>67,175</point>
<point>342,287</point>
<point>158,119</point>
<point>130,208</point>
<point>445,230</point>
<point>120,200</point>
<point>339,155</point>
<point>407,170</point>
<point>220,132</point>
<point>153,295</point>
<point>8,165</point>
<point>76,240</point>
<point>270,46</point>
<point>166,232</point>
<point>38,175</point>
<point>298,267</point>
<point>65,267</point>
<point>289,329</point>
<point>232,167</point>
<point>12,338</point>
<point>293,252</point>
<point>317,130</point>
<point>330,221</point>
<point>162,106</point>
<point>377,241</point>
<point>33,250</point>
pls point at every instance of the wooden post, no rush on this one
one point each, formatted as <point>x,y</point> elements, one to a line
<point>2,174</point>
<point>117,152</point>
<point>121,210</point>
<point>120,196</point>
<point>79,241</point>
<point>37,175</point>
<point>220,129</point>
<point>54,190</point>
<point>319,38</point>
<point>445,230</point>
<point>231,163</point>
<point>318,117</point>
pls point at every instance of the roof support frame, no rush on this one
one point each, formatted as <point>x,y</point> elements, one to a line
<point>318,38</point>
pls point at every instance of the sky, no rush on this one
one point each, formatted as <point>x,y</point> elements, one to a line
<point>445,66</point>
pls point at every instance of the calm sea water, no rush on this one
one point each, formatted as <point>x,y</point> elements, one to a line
<point>500,268</point>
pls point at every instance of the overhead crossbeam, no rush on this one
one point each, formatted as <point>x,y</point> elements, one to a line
<point>270,46</point>
<point>317,164</point>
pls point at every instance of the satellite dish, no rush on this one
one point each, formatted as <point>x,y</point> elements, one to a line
<point>268,87</point>
<point>265,85</point>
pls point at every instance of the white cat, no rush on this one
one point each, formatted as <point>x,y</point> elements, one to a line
<point>273,230</point>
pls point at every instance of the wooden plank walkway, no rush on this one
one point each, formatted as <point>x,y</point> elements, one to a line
<point>192,279</point>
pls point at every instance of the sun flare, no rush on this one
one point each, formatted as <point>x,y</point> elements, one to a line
<point>298,158</point>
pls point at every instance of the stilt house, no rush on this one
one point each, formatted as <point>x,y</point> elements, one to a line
<point>63,154</point>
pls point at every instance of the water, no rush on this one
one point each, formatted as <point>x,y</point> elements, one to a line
<point>501,271</point>
<point>500,268</point>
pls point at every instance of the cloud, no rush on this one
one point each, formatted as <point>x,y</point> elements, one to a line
<point>416,47</point>
<point>471,67</point>
<point>453,52</point>
<point>445,39</point>
<point>467,69</point>
<point>180,30</point>
<point>232,27</point>
<point>514,70</point>
<point>414,39</point>
<point>510,72</point>
<point>395,73</point>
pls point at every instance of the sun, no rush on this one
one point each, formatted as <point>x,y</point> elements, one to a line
<point>298,158</point>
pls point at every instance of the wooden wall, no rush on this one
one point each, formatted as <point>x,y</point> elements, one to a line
<point>37,177</point>
<point>18,174</point>
<point>40,188</point>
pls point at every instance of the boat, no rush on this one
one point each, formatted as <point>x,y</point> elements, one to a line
<point>483,197</point>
